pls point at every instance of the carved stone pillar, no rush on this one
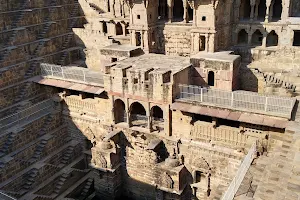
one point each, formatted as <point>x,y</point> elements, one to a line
<point>170,7</point>
<point>252,4</point>
<point>268,4</point>
<point>185,12</point>
<point>133,39</point>
<point>264,41</point>
<point>142,39</point>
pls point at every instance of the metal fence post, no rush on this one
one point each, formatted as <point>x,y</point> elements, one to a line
<point>62,72</point>
<point>83,76</point>
<point>51,67</point>
<point>201,94</point>
<point>266,104</point>
<point>232,96</point>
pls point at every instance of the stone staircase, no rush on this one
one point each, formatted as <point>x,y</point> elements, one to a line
<point>31,71</point>
<point>30,179</point>
<point>271,79</point>
<point>60,183</point>
<point>86,188</point>
<point>67,155</point>
<point>277,174</point>
<point>96,8</point>
<point>8,143</point>
<point>23,91</point>
<point>38,151</point>
<point>69,37</point>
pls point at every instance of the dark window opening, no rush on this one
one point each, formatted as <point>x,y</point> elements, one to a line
<point>114,59</point>
<point>257,38</point>
<point>104,27</point>
<point>139,16</point>
<point>119,111</point>
<point>88,144</point>
<point>296,41</point>
<point>198,176</point>
<point>135,81</point>
<point>211,78</point>
<point>203,118</point>
<point>277,10</point>
<point>262,9</point>
<point>230,123</point>
<point>202,43</point>
<point>74,92</point>
<point>119,29</point>
<point>89,96</point>
<point>272,39</point>
<point>162,10</point>
<point>138,39</point>
<point>178,11</point>
<point>243,37</point>
<point>167,77</point>
<point>245,9</point>
<point>203,18</point>
<point>191,14</point>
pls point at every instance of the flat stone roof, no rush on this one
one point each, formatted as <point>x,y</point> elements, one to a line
<point>224,56</point>
<point>121,50</point>
<point>160,63</point>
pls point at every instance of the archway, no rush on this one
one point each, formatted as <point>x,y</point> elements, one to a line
<point>245,10</point>
<point>157,118</point>
<point>178,11</point>
<point>262,9</point>
<point>272,39</point>
<point>138,115</point>
<point>211,78</point>
<point>243,37</point>
<point>277,10</point>
<point>257,38</point>
<point>119,111</point>
<point>119,29</point>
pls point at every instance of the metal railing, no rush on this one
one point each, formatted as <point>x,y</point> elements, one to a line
<point>239,100</point>
<point>237,180</point>
<point>135,117</point>
<point>76,74</point>
<point>4,196</point>
<point>26,115</point>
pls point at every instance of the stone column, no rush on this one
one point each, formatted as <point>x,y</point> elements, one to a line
<point>197,42</point>
<point>237,6</point>
<point>149,122</point>
<point>268,4</point>
<point>101,28</point>
<point>285,9</point>
<point>256,10</point>
<point>170,7</point>
<point>142,39</point>
<point>249,38</point>
<point>264,41</point>
<point>206,43</point>
<point>185,12</point>
<point>124,29</point>
<point>146,42</point>
<point>133,39</point>
<point>252,4</point>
